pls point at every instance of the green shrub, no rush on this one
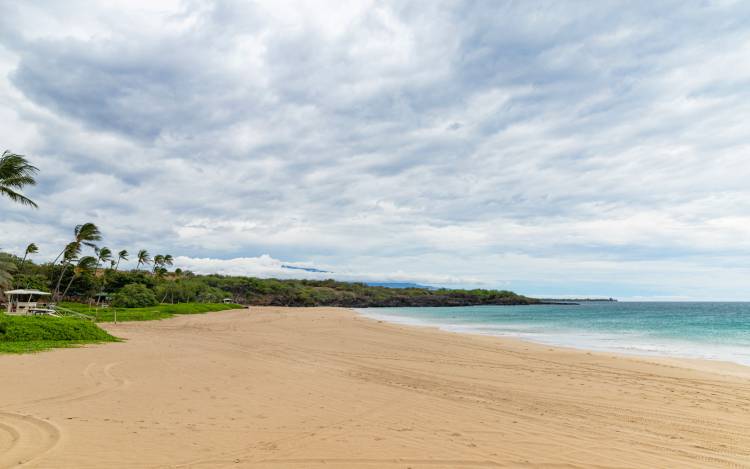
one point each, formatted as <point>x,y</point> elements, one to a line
<point>45,328</point>
<point>134,295</point>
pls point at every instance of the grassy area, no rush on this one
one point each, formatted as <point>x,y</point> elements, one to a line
<point>24,334</point>
<point>150,313</point>
<point>21,334</point>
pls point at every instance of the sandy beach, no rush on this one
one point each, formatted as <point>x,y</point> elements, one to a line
<point>326,388</point>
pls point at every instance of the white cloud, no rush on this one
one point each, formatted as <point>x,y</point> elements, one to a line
<point>265,266</point>
<point>595,148</point>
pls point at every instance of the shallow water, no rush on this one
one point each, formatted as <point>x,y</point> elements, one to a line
<point>717,331</point>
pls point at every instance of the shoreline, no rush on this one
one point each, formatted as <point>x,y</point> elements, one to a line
<point>709,365</point>
<point>658,349</point>
<point>275,387</point>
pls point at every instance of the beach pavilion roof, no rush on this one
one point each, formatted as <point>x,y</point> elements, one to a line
<point>26,292</point>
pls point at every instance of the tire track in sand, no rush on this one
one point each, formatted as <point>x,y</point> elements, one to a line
<point>24,438</point>
<point>103,382</point>
<point>27,438</point>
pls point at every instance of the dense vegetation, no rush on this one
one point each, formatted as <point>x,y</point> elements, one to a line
<point>20,334</point>
<point>256,291</point>
<point>146,288</point>
<point>140,288</point>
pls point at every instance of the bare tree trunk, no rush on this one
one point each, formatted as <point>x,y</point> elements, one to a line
<point>59,280</point>
<point>23,261</point>
<point>58,256</point>
<point>68,287</point>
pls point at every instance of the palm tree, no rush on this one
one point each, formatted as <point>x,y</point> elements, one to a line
<point>161,261</point>
<point>143,258</point>
<point>83,235</point>
<point>86,234</point>
<point>103,254</point>
<point>70,253</point>
<point>158,262</point>
<point>85,264</point>
<point>15,174</point>
<point>30,249</point>
<point>122,255</point>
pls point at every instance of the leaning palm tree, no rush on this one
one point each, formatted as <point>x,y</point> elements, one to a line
<point>88,234</point>
<point>70,254</point>
<point>158,262</point>
<point>83,235</point>
<point>143,258</point>
<point>121,256</point>
<point>168,260</point>
<point>103,254</point>
<point>84,265</point>
<point>30,249</point>
<point>15,174</point>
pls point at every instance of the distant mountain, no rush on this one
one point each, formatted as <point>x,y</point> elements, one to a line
<point>399,285</point>
<point>580,300</point>
<point>306,269</point>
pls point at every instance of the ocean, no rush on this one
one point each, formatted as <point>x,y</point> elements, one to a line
<point>714,331</point>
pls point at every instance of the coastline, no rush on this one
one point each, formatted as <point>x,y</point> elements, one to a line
<point>632,336</point>
<point>328,387</point>
<point>695,363</point>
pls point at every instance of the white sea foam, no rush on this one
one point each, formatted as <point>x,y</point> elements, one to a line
<point>623,343</point>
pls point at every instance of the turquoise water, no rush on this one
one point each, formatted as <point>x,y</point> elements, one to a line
<point>717,331</point>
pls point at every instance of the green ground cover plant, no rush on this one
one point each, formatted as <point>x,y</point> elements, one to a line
<point>149,313</point>
<point>19,334</point>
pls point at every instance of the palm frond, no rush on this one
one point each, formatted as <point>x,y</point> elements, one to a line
<point>16,197</point>
<point>16,173</point>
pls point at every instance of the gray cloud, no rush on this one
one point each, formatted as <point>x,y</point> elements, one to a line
<point>531,145</point>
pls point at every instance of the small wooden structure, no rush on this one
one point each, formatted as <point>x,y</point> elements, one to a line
<point>228,301</point>
<point>22,302</point>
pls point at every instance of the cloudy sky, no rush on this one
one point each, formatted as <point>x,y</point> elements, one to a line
<point>552,148</point>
